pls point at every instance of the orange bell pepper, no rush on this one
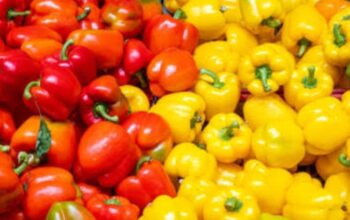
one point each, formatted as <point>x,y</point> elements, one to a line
<point>38,48</point>
<point>328,8</point>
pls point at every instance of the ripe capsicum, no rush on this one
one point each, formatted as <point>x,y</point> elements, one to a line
<point>89,16</point>
<point>151,133</point>
<point>137,99</point>
<point>329,164</point>
<point>338,184</point>
<point>226,174</point>
<point>151,8</point>
<point>7,127</point>
<point>38,48</point>
<point>328,8</point>
<point>240,39</point>
<point>150,181</point>
<point>56,93</point>
<point>68,211</point>
<point>88,191</point>
<point>101,100</point>
<point>106,153</point>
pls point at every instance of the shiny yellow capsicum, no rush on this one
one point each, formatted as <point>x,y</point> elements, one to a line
<point>207,17</point>
<point>345,101</point>
<point>240,39</point>
<point>217,56</point>
<point>187,159</point>
<point>344,156</point>
<point>259,110</point>
<point>306,200</point>
<point>289,5</point>
<point>307,83</point>
<point>184,112</point>
<point>303,27</point>
<point>231,10</point>
<point>137,99</point>
<point>266,68</point>
<point>260,180</point>
<point>220,92</point>
<point>173,5</point>
<point>326,125</point>
<point>227,137</point>
<point>266,216</point>
<point>165,207</point>
<point>226,174</point>
<point>232,203</point>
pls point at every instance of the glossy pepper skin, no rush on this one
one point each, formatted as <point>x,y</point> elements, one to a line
<point>63,140</point>
<point>187,159</point>
<point>89,16</point>
<point>106,153</point>
<point>46,186</point>
<point>328,8</point>
<point>137,99</point>
<point>105,207</point>
<point>150,181</point>
<point>178,208</point>
<point>184,113</point>
<point>301,32</point>
<point>266,216</point>
<point>102,100</point>
<point>38,48</point>
<point>260,179</point>
<point>240,39</point>
<point>226,174</point>
<point>227,137</point>
<point>68,211</point>
<point>329,164</point>
<point>56,93</point>
<point>173,5</point>
<point>125,16</point>
<point>338,184</point>
<point>220,91</point>
<point>266,68</point>
<point>99,42</point>
<point>88,191</point>
<point>7,126</point>
<point>172,70</point>
<point>80,60</point>
<point>317,118</point>
<point>151,133</point>
<point>163,31</point>
<point>151,8</point>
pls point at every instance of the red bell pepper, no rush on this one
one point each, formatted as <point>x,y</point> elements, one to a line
<point>106,153</point>
<point>121,76</point>
<point>102,100</point>
<point>7,126</point>
<point>82,2</point>
<point>163,31</point>
<point>80,60</point>
<point>151,133</point>
<point>150,181</point>
<point>90,16</point>
<point>11,14</point>
<point>44,187</point>
<point>2,45</point>
<point>88,191</point>
<point>14,214</point>
<point>125,16</point>
<point>151,8</point>
<point>105,207</point>
<point>173,70</point>
<point>55,94</point>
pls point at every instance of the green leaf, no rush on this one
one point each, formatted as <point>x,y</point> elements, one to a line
<point>346,18</point>
<point>43,141</point>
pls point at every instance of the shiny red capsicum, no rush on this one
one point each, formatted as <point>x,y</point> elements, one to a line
<point>88,191</point>
<point>151,8</point>
<point>90,16</point>
<point>80,60</point>
<point>102,100</point>
<point>105,207</point>
<point>150,181</point>
<point>7,127</point>
<point>55,94</point>
<point>13,214</point>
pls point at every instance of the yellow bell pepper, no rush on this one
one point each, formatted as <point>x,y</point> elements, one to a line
<point>226,174</point>
<point>307,84</point>
<point>289,5</point>
<point>345,101</point>
<point>187,159</point>
<point>137,99</point>
<point>231,11</point>
<point>227,137</point>
<point>316,56</point>
<point>326,125</point>
<point>266,216</point>
<point>184,112</point>
<point>303,27</point>
<point>266,68</point>
<point>344,156</point>
<point>217,56</point>
<point>306,200</point>
<point>206,16</point>
<point>240,39</point>
<point>167,208</point>
<point>173,5</point>
<point>197,191</point>
<point>233,203</point>
<point>260,180</point>
<point>220,91</point>
<point>258,111</point>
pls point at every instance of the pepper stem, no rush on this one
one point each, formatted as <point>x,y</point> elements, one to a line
<point>195,119</point>
<point>233,204</point>
<point>25,160</point>
<point>27,95</point>
<point>303,44</point>
<point>100,110</point>
<point>11,13</point>
<point>64,53</point>
<point>4,148</point>
<point>179,14</point>
<point>143,160</point>
<point>216,81</point>
<point>347,71</point>
<point>227,133</point>
<point>141,78</point>
<point>263,73</point>
<point>343,160</point>
<point>272,22</point>
<point>112,202</point>
<point>84,14</point>
<point>310,81</point>
<point>339,36</point>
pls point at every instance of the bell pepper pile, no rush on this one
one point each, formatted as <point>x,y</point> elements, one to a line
<point>174,109</point>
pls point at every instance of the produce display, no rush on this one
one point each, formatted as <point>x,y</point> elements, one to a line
<point>175,110</point>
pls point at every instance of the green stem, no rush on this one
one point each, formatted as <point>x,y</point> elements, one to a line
<point>64,53</point>
<point>12,13</point>
<point>141,78</point>
<point>339,36</point>
<point>216,81</point>
<point>4,148</point>
<point>303,44</point>
<point>101,110</point>
<point>347,71</point>
<point>112,202</point>
<point>195,119</point>
<point>343,160</point>
<point>233,204</point>
<point>84,14</point>
<point>27,95</point>
<point>310,81</point>
<point>263,73</point>
<point>227,133</point>
<point>142,161</point>
<point>25,160</point>
<point>179,14</point>
<point>272,22</point>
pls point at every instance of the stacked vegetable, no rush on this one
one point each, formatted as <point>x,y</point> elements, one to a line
<point>185,109</point>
